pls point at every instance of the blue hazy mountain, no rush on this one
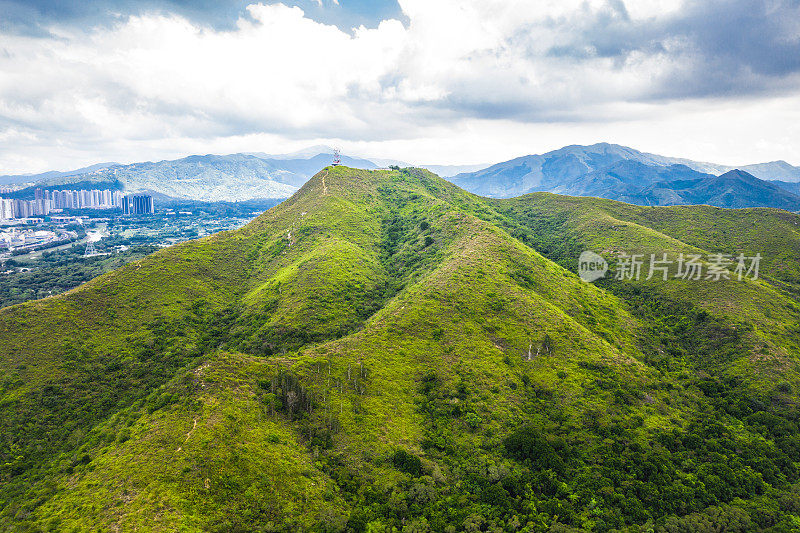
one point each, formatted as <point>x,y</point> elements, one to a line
<point>303,168</point>
<point>735,189</point>
<point>621,173</point>
<point>603,170</point>
<point>557,171</point>
<point>774,171</point>
<point>788,186</point>
<point>624,180</point>
<point>448,171</point>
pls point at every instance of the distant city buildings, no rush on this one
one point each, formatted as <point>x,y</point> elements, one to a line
<point>66,220</point>
<point>46,201</point>
<point>12,208</point>
<point>83,199</point>
<point>15,239</point>
<point>137,205</point>
<point>6,208</point>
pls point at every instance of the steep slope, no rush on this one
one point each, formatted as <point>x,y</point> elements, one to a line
<point>562,227</point>
<point>384,350</point>
<point>205,451</point>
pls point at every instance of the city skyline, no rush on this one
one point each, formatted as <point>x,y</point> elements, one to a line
<point>47,201</point>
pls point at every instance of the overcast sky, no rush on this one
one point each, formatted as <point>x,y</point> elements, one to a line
<point>425,81</point>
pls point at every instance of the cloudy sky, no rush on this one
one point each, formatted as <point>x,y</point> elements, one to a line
<point>425,81</point>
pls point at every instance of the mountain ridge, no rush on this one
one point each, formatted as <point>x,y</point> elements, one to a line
<point>734,189</point>
<point>12,179</point>
<point>615,172</point>
<point>213,177</point>
<point>250,175</point>
<point>384,349</point>
<point>233,177</point>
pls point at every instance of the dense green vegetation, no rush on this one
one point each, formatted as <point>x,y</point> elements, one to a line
<point>40,275</point>
<point>386,352</point>
<point>60,272</point>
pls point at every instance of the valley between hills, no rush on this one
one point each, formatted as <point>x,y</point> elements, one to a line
<point>385,351</point>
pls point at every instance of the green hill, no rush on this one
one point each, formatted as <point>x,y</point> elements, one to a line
<point>387,352</point>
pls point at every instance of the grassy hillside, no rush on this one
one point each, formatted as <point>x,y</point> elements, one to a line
<point>561,227</point>
<point>386,352</point>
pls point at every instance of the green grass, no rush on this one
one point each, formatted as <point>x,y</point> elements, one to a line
<point>562,227</point>
<point>386,352</point>
<point>55,276</point>
<point>203,452</point>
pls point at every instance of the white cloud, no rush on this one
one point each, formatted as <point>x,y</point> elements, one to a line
<point>471,79</point>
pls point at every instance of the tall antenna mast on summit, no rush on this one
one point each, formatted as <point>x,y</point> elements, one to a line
<point>337,156</point>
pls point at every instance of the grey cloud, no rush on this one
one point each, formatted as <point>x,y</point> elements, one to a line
<point>716,48</point>
<point>724,47</point>
<point>712,48</point>
<point>763,36</point>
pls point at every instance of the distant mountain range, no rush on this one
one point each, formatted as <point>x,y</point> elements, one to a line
<point>35,178</point>
<point>235,177</point>
<point>788,186</point>
<point>621,173</point>
<point>735,189</point>
<point>602,170</point>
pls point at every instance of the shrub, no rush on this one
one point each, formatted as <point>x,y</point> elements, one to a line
<point>408,463</point>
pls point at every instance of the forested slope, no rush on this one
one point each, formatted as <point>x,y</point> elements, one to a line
<point>384,350</point>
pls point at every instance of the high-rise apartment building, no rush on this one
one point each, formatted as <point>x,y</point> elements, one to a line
<point>137,205</point>
<point>44,201</point>
<point>6,208</point>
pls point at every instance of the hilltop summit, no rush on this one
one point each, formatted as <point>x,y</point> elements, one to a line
<point>386,350</point>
